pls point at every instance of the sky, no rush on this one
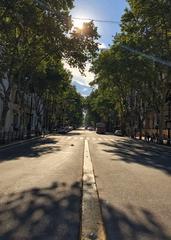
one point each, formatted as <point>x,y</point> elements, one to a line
<point>96,9</point>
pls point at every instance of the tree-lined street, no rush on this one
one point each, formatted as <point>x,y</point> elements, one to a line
<point>85,120</point>
<point>41,184</point>
<point>37,40</point>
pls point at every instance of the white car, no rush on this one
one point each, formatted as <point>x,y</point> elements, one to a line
<point>90,128</point>
<point>118,133</point>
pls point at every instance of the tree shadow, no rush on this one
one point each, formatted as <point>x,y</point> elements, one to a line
<point>42,213</point>
<point>53,212</point>
<point>132,223</point>
<point>73,133</point>
<point>66,134</point>
<point>33,149</point>
<point>150,155</point>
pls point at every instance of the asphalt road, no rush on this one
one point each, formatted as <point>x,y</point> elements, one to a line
<point>41,183</point>
<point>134,184</point>
<point>40,189</point>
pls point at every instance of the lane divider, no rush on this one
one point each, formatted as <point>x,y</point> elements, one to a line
<point>92,227</point>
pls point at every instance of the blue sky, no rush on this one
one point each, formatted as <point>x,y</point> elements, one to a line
<point>97,9</point>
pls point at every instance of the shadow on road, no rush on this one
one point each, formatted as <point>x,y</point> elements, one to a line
<point>42,213</point>
<point>73,133</point>
<point>53,212</point>
<point>150,155</point>
<point>132,223</point>
<point>33,149</point>
<point>68,134</point>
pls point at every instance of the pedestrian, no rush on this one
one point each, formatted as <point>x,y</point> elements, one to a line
<point>152,138</point>
<point>148,137</point>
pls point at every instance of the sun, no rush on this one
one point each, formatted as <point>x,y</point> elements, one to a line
<point>78,23</point>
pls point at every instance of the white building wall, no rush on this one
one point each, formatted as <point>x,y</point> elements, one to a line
<point>10,115</point>
<point>15,109</point>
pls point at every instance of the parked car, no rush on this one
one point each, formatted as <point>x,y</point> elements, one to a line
<point>55,130</point>
<point>62,130</point>
<point>90,128</point>
<point>100,128</point>
<point>70,128</point>
<point>118,132</point>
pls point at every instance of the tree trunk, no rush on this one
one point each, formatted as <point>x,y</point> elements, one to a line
<point>140,127</point>
<point>4,114</point>
<point>161,124</point>
<point>5,108</point>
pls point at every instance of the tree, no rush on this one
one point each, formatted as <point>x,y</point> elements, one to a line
<point>127,79</point>
<point>147,26</point>
<point>134,70</point>
<point>73,107</point>
<point>99,107</point>
<point>45,35</point>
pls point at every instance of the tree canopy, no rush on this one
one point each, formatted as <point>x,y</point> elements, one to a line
<point>35,37</point>
<point>135,71</point>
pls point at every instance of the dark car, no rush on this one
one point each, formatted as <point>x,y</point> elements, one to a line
<point>100,128</point>
<point>62,130</point>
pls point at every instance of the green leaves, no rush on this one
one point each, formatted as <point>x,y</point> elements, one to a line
<point>36,29</point>
<point>134,73</point>
<point>35,37</point>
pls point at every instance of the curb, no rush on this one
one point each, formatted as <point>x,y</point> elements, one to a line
<point>6,146</point>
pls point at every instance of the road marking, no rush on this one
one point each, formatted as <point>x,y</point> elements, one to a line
<point>99,139</point>
<point>92,224</point>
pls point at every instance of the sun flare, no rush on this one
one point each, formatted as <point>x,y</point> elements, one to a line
<point>78,23</point>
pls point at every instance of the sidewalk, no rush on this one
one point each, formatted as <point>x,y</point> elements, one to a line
<point>154,141</point>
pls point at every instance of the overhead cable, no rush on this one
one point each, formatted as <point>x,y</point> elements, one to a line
<point>96,20</point>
